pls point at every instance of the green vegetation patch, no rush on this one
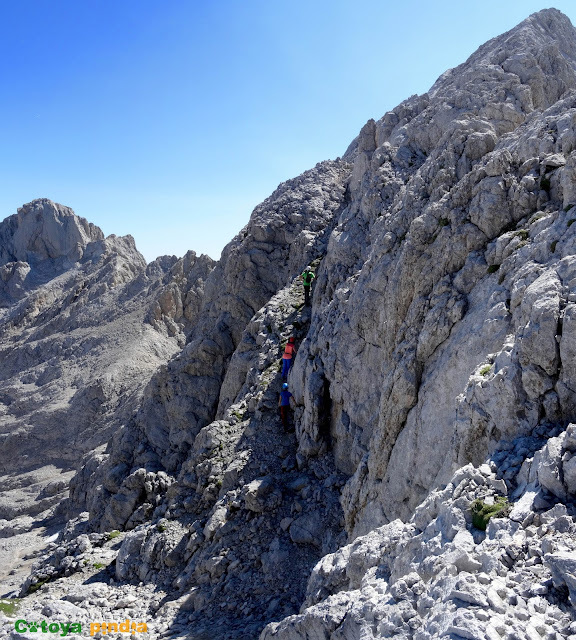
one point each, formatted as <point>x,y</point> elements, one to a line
<point>443,222</point>
<point>113,534</point>
<point>553,246</point>
<point>34,587</point>
<point>9,606</point>
<point>98,565</point>
<point>493,268</point>
<point>571,222</point>
<point>567,208</point>
<point>523,234</point>
<point>485,369</point>
<point>545,184</point>
<point>482,512</point>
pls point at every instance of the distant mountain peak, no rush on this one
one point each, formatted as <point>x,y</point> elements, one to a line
<point>43,230</point>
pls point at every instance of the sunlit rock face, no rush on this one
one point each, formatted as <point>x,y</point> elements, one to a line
<point>43,230</point>
<point>454,253</point>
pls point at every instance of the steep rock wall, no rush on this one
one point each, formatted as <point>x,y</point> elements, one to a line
<point>440,186</point>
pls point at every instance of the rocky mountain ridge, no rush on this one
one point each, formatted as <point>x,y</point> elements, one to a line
<point>434,372</point>
<point>84,323</point>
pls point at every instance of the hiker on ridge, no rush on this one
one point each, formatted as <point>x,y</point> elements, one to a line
<point>284,404</point>
<point>307,277</point>
<point>287,357</point>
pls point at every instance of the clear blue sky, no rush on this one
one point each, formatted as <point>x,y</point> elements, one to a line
<point>170,120</point>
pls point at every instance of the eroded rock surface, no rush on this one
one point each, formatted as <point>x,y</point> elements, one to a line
<point>439,576</point>
<point>455,253</point>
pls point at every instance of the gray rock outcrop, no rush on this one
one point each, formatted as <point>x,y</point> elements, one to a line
<point>437,576</point>
<point>286,232</point>
<point>43,230</point>
<point>455,236</point>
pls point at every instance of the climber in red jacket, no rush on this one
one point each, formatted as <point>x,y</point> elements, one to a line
<point>289,353</point>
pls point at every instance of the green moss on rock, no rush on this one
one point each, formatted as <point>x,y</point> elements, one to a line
<point>482,512</point>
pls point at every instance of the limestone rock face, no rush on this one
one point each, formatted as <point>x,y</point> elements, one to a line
<point>435,325</point>
<point>43,230</point>
<point>179,300</point>
<point>285,233</point>
<point>437,575</point>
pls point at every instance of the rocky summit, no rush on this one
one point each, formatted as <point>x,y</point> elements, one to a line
<point>422,485</point>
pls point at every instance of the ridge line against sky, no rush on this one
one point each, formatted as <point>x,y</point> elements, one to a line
<point>172,121</point>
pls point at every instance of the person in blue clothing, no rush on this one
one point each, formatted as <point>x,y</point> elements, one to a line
<point>284,404</point>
